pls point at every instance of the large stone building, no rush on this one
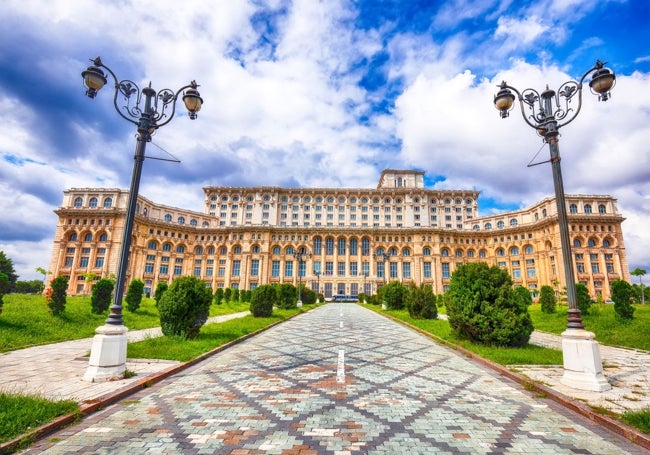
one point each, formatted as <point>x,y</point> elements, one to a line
<point>353,239</point>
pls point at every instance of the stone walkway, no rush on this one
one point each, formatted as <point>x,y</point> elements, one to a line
<point>340,380</point>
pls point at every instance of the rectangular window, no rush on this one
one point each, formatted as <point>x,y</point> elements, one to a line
<point>380,270</point>
<point>288,268</point>
<point>341,268</point>
<point>595,268</point>
<point>610,267</point>
<point>209,271</point>
<point>197,271</point>
<point>178,270</point>
<point>99,262</point>
<point>580,266</point>
<point>164,269</point>
<point>148,267</point>
<point>83,262</point>
<point>329,268</point>
<point>255,267</point>
<point>221,272</point>
<point>516,273</point>
<point>406,270</point>
<point>365,268</point>
<point>445,270</point>
<point>236,267</point>
<point>530,271</point>
<point>353,269</point>
<point>393,269</point>
<point>427,270</point>
<point>275,268</point>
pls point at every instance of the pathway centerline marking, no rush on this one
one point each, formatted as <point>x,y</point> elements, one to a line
<point>340,369</point>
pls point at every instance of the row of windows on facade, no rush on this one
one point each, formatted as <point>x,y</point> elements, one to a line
<point>330,208</point>
<point>340,200</point>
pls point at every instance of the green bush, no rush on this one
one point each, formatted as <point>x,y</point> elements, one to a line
<point>57,299</point>
<point>307,296</point>
<point>218,296</point>
<point>262,301</point>
<point>622,296</point>
<point>524,294</point>
<point>101,296</point>
<point>227,295</point>
<point>4,287</point>
<point>286,296</point>
<point>184,307</point>
<point>394,295</point>
<point>483,307</point>
<point>161,287</point>
<point>134,295</point>
<point>583,298</point>
<point>547,299</point>
<point>421,302</point>
<point>235,295</point>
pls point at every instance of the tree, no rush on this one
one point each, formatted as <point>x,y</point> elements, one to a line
<point>262,300</point>
<point>134,295</point>
<point>89,277</point>
<point>4,286</point>
<point>640,272</point>
<point>101,296</point>
<point>483,306</point>
<point>525,295</point>
<point>227,295</point>
<point>421,302</point>
<point>45,273</point>
<point>161,287</point>
<point>218,296</point>
<point>235,295</point>
<point>28,287</point>
<point>7,267</point>
<point>286,296</point>
<point>394,294</point>
<point>622,297</point>
<point>583,298</point>
<point>57,299</point>
<point>184,307</point>
<point>547,299</point>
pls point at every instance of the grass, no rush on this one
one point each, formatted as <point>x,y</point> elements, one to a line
<point>21,413</point>
<point>26,320</point>
<point>210,337</point>
<point>527,355</point>
<point>603,322</point>
<point>639,419</point>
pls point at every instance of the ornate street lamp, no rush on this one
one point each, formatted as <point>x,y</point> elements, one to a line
<point>148,110</point>
<point>300,256</point>
<point>546,113</point>
<point>381,256</point>
<point>317,273</point>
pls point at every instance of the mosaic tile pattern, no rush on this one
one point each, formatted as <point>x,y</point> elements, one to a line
<point>278,393</point>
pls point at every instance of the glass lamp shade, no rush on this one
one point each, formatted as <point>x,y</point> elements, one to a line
<point>504,100</point>
<point>193,101</point>
<point>603,81</point>
<point>94,78</point>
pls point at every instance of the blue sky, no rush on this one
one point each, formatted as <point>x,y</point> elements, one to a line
<point>318,94</point>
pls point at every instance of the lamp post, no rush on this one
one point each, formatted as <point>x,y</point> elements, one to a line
<point>317,272</point>
<point>547,112</point>
<point>300,256</point>
<point>148,110</point>
<point>381,256</point>
<point>365,275</point>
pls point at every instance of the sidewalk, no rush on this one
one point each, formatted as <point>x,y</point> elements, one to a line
<point>56,370</point>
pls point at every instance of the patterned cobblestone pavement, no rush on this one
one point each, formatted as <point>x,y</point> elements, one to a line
<point>336,380</point>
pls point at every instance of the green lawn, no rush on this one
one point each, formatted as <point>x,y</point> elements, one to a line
<point>26,321</point>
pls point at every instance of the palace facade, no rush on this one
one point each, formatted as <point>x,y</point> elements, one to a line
<point>351,240</point>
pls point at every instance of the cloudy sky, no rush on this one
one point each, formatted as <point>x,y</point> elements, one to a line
<point>324,93</point>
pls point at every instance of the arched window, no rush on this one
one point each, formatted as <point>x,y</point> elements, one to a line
<point>602,209</point>
<point>237,250</point>
<point>365,246</point>
<point>392,251</point>
<point>341,248</point>
<point>513,222</point>
<point>500,224</point>
<point>329,245</point>
<point>152,245</point>
<point>276,250</point>
<point>459,253</point>
<point>198,250</point>
<point>444,252</point>
<point>482,254</point>
<point>290,250</point>
<point>73,237</point>
<point>168,218</point>
<point>167,247</point>
<point>606,243</point>
<point>573,208</point>
<point>108,203</point>
<point>354,246</point>
<point>501,252</point>
<point>180,249</point>
<point>211,250</point>
<point>88,237</point>
<point>223,251</point>
<point>488,226</point>
<point>470,253</point>
<point>406,252</point>
<point>476,227</point>
<point>103,237</point>
<point>256,249</point>
<point>587,208</point>
<point>193,222</point>
<point>92,202</point>
<point>577,243</point>
<point>205,224</point>
<point>529,249</point>
<point>426,251</point>
<point>543,213</point>
<point>514,251</point>
<point>591,243</point>
<point>78,202</point>
<point>318,245</point>
<point>181,220</point>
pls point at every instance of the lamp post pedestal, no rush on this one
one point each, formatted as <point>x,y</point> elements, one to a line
<point>583,366</point>
<point>107,354</point>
